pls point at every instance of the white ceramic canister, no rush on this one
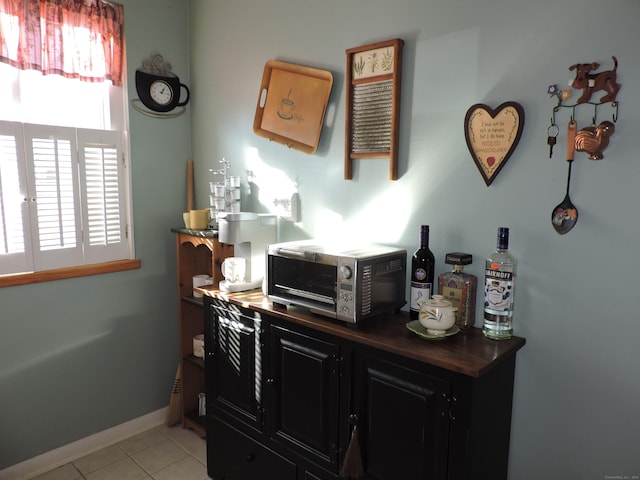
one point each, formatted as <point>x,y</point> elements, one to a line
<point>437,315</point>
<point>198,346</point>
<point>200,281</point>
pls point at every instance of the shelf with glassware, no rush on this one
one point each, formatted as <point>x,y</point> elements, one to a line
<point>198,252</point>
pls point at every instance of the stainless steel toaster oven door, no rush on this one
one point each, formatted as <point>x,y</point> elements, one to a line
<point>302,282</point>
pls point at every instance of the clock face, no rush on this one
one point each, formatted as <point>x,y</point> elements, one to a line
<point>161,92</point>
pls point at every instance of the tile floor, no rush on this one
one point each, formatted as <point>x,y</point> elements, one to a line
<point>161,453</point>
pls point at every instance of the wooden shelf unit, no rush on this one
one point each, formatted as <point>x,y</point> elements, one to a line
<point>197,252</point>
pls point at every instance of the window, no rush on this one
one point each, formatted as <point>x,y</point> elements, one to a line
<point>64,179</point>
<point>62,198</point>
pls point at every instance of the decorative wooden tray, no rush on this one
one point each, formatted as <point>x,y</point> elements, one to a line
<point>292,104</point>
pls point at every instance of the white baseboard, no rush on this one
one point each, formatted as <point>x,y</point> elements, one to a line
<point>67,453</point>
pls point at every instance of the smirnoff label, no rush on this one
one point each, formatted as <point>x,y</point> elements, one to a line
<point>498,289</point>
<point>499,275</point>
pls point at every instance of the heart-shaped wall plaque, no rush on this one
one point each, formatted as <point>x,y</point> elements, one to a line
<point>492,136</point>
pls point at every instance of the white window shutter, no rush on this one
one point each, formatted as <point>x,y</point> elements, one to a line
<point>15,236</point>
<point>53,182</point>
<point>64,198</point>
<point>102,176</point>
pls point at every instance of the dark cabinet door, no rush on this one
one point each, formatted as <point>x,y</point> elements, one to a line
<point>233,368</point>
<point>304,395</point>
<point>403,420</point>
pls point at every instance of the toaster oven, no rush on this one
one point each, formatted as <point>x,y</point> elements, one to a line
<point>346,283</point>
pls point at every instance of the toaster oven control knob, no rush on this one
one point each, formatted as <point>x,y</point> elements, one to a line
<point>345,271</point>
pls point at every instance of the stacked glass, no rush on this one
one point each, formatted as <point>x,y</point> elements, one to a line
<point>224,195</point>
<point>232,193</point>
<point>217,201</point>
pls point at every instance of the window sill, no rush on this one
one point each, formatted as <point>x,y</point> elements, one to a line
<point>72,272</point>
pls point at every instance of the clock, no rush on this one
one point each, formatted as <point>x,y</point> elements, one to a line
<point>160,92</point>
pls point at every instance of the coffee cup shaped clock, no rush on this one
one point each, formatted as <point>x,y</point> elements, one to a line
<point>160,92</point>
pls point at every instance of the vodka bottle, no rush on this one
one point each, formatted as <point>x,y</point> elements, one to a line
<point>422,271</point>
<point>500,276</point>
<point>459,287</point>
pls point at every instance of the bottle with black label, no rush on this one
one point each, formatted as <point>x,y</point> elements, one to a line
<point>459,287</point>
<point>499,285</point>
<point>422,272</point>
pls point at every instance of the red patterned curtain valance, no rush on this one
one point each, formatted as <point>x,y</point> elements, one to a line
<point>81,39</point>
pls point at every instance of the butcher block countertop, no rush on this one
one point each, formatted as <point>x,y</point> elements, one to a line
<point>468,352</point>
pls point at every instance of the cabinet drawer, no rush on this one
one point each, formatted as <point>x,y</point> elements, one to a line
<point>231,455</point>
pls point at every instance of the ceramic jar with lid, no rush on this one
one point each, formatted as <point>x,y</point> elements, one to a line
<point>437,315</point>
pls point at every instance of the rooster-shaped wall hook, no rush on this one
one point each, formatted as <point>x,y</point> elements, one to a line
<point>594,140</point>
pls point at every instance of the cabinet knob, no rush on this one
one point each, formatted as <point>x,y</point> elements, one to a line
<point>270,381</point>
<point>249,458</point>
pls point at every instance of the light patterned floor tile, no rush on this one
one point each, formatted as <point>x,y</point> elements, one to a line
<point>162,453</point>
<point>186,469</point>
<point>159,455</point>
<point>125,469</point>
<point>99,459</point>
<point>140,442</point>
<point>190,441</point>
<point>65,472</point>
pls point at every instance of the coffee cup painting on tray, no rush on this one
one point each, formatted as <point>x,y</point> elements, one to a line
<point>292,104</point>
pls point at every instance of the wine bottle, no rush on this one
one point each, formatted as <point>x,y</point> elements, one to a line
<point>422,271</point>
<point>499,289</point>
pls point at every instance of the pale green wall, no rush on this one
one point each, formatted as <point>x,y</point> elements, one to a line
<point>577,384</point>
<point>82,355</point>
<point>79,356</point>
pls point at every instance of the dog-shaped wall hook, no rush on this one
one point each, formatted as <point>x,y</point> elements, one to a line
<point>592,82</point>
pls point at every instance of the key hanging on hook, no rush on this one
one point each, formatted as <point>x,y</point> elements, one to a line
<point>552,133</point>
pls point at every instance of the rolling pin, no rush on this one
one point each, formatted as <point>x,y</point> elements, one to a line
<point>189,185</point>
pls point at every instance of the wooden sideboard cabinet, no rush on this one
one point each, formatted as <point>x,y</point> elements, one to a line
<point>197,252</point>
<point>285,390</point>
